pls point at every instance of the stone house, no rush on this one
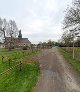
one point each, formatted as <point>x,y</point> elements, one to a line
<point>18,42</point>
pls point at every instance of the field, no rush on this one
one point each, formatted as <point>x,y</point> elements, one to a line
<point>67,53</point>
<point>15,80</point>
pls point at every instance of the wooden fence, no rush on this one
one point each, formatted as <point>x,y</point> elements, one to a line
<point>20,68</point>
<point>70,51</point>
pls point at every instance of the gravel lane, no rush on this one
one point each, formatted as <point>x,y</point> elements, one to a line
<point>56,74</point>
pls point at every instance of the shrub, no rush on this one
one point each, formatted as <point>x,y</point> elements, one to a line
<point>24,48</point>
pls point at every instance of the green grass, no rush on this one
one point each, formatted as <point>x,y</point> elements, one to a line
<point>15,57</point>
<point>70,49</point>
<point>70,60</point>
<point>16,80</point>
<point>7,50</point>
<point>3,50</point>
<point>20,81</point>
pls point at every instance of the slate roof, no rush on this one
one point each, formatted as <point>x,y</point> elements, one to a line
<point>23,40</point>
<point>17,40</point>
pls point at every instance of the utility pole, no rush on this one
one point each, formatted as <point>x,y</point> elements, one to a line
<point>74,41</point>
<point>73,44</point>
<point>73,35</point>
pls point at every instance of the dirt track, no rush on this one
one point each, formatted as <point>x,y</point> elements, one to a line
<point>56,74</point>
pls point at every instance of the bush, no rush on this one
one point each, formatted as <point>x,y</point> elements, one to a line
<point>24,48</point>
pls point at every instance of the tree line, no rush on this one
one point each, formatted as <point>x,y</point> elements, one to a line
<point>8,29</point>
<point>48,44</point>
<point>71,25</point>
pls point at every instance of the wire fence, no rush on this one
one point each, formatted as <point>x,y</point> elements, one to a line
<point>13,68</point>
<point>17,64</point>
<point>70,51</point>
<point>9,76</point>
<point>10,61</point>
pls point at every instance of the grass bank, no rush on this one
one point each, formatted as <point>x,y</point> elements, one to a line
<point>14,57</point>
<point>16,80</point>
<point>70,60</point>
<point>20,81</point>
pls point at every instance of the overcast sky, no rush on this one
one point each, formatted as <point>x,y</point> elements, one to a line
<point>39,20</point>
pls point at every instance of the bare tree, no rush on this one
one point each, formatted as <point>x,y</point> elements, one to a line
<point>67,38</point>
<point>72,15</point>
<point>72,21</point>
<point>72,18</point>
<point>12,29</point>
<point>12,32</point>
<point>3,28</point>
<point>50,43</point>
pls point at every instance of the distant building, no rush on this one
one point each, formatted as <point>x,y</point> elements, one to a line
<point>18,42</point>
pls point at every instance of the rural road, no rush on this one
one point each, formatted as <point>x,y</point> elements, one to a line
<point>56,74</point>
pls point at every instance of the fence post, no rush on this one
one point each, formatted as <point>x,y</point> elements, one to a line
<point>23,53</point>
<point>2,59</point>
<point>9,61</point>
<point>20,65</point>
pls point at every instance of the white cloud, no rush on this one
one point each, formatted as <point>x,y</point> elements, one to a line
<point>38,19</point>
<point>36,24</point>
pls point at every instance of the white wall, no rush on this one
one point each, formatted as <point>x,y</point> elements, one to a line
<point>2,46</point>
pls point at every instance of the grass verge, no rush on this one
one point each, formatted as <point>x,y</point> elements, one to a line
<point>68,57</point>
<point>16,80</point>
<point>14,57</point>
<point>20,81</point>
